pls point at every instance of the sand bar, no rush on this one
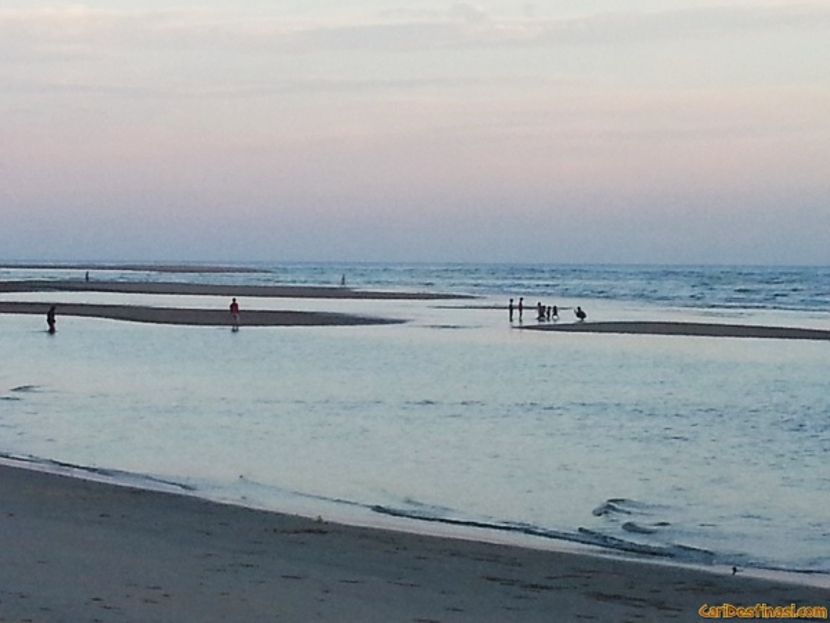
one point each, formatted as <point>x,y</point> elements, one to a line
<point>686,328</point>
<point>198,317</point>
<point>73,550</point>
<point>283,291</point>
<point>144,268</point>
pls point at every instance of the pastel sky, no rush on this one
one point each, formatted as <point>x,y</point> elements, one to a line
<point>636,131</point>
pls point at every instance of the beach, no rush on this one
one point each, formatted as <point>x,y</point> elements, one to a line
<point>206,317</point>
<point>707,329</point>
<point>462,469</point>
<point>379,312</point>
<point>202,289</point>
<point>262,318</point>
<point>142,268</point>
<point>195,317</point>
<point>75,550</point>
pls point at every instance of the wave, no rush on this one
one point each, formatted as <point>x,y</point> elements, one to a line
<point>632,526</point>
<point>25,388</point>
<point>583,536</point>
<point>674,552</point>
<point>622,506</point>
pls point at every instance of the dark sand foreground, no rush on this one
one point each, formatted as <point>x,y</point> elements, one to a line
<point>686,328</point>
<point>317,292</point>
<point>74,551</point>
<point>199,317</point>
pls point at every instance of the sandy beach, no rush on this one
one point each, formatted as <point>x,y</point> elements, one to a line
<point>686,328</point>
<point>75,550</point>
<point>283,291</point>
<point>195,317</point>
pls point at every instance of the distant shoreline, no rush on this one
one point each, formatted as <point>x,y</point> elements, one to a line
<point>144,268</point>
<point>196,317</point>
<point>687,329</point>
<point>198,289</point>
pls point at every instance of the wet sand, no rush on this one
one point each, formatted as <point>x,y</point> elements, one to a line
<point>283,291</point>
<point>686,328</point>
<point>74,550</point>
<point>197,317</point>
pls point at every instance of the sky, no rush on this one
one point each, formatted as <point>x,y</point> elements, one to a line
<point>564,131</point>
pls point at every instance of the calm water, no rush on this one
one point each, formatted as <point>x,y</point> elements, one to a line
<point>698,449</point>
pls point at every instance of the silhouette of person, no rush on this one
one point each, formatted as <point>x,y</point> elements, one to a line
<point>343,279</point>
<point>510,309</point>
<point>235,314</point>
<point>548,312</point>
<point>50,319</point>
<point>580,314</point>
<point>521,307</point>
<point>86,277</point>
<point>555,313</point>
<point>540,311</point>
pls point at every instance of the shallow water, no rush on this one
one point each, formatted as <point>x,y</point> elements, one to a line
<point>703,449</point>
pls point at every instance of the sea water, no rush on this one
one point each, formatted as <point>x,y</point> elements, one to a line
<point>709,450</point>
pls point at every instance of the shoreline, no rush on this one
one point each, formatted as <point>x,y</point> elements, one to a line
<point>196,317</point>
<point>377,518</point>
<point>700,329</point>
<point>280,291</point>
<point>74,548</point>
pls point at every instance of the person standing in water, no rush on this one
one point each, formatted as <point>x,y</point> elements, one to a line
<point>580,314</point>
<point>50,319</point>
<point>510,309</point>
<point>521,307</point>
<point>235,314</point>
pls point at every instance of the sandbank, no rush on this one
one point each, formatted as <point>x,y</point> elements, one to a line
<point>74,550</point>
<point>281,291</point>
<point>685,328</point>
<point>197,317</point>
<point>144,268</point>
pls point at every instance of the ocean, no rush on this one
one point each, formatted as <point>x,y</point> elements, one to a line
<point>687,449</point>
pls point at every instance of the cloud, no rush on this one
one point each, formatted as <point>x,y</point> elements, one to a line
<point>461,25</point>
<point>464,26</point>
<point>460,11</point>
<point>699,22</point>
<point>247,89</point>
<point>465,12</point>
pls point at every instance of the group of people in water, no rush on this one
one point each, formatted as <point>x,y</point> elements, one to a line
<point>544,313</point>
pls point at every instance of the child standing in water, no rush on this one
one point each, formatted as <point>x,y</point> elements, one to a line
<point>50,319</point>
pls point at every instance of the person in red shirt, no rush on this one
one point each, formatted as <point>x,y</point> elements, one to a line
<point>235,314</point>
